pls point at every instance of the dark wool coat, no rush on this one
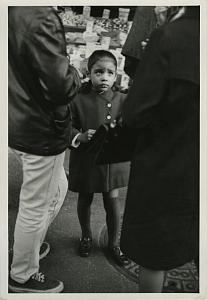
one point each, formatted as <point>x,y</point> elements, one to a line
<point>89,111</point>
<point>160,226</point>
<point>144,23</point>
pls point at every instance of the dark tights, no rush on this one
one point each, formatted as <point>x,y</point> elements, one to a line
<point>84,213</point>
<point>112,208</point>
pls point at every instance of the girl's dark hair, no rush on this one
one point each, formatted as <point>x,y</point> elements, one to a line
<point>99,54</point>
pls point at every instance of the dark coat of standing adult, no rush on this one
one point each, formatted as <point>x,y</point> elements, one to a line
<point>144,22</point>
<point>160,226</point>
<point>41,81</point>
<point>89,111</point>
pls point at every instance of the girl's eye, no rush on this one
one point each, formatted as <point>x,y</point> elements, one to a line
<point>98,72</point>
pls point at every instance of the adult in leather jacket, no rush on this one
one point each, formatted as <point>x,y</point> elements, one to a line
<point>41,85</point>
<point>41,82</point>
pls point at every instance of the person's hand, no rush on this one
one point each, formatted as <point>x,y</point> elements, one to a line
<point>86,136</point>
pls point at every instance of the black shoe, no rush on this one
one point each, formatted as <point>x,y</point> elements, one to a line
<point>85,246</point>
<point>44,250</point>
<point>38,283</point>
<point>118,256</point>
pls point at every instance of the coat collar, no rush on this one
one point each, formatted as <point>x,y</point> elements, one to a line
<point>107,96</point>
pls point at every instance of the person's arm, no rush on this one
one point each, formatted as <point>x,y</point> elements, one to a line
<point>144,23</point>
<point>75,123</point>
<point>150,82</point>
<point>46,50</point>
<point>131,64</point>
<point>77,136</point>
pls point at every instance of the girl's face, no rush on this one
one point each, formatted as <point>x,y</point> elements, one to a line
<point>103,74</point>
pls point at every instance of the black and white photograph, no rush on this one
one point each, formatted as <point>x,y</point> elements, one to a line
<point>103,150</point>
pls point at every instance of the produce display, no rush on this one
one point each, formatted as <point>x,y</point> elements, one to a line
<point>112,24</point>
<point>84,34</point>
<point>71,19</point>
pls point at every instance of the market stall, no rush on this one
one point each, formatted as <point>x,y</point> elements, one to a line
<point>87,31</point>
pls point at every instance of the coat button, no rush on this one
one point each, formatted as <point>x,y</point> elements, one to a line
<point>108,104</point>
<point>108,117</point>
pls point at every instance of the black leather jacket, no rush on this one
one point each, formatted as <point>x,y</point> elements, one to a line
<point>41,81</point>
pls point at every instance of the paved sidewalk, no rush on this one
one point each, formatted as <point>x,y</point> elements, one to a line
<point>80,275</point>
<point>97,273</point>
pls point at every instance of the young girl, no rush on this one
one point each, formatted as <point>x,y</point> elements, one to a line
<point>95,105</point>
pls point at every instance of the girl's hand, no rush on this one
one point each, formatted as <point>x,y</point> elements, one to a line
<point>86,136</point>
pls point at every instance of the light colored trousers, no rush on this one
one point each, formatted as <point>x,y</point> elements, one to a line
<point>42,194</point>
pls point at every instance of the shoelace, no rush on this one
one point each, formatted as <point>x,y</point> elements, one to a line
<point>39,276</point>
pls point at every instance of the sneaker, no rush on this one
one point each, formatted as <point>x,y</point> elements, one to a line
<point>44,249</point>
<point>38,283</point>
<point>85,246</point>
<point>118,256</point>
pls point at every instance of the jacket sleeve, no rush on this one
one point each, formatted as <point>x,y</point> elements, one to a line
<point>143,23</point>
<point>150,82</point>
<point>76,126</point>
<point>47,54</point>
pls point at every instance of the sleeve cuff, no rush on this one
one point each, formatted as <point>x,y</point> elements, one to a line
<point>74,143</point>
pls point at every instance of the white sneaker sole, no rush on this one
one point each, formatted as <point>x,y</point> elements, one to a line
<point>57,289</point>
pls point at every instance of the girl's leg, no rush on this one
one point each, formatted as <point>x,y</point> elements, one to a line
<point>84,213</point>
<point>113,221</point>
<point>150,281</point>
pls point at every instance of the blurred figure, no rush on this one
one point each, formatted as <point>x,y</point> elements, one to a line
<point>161,221</point>
<point>144,23</point>
<point>146,19</point>
<point>41,84</point>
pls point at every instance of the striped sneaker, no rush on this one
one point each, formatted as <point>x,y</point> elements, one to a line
<point>38,283</point>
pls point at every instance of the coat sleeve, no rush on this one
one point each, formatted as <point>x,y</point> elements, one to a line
<point>143,23</point>
<point>46,51</point>
<point>150,82</point>
<point>76,124</point>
